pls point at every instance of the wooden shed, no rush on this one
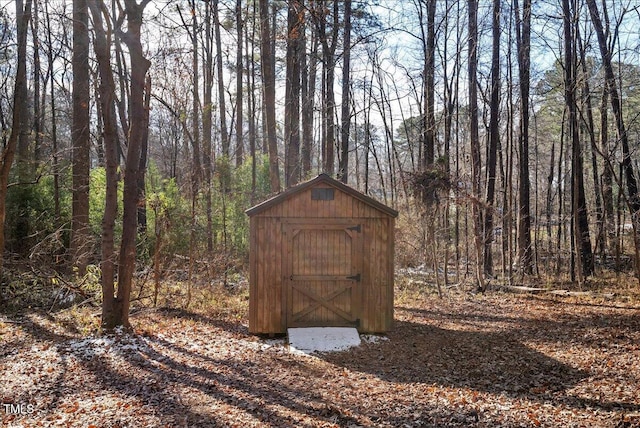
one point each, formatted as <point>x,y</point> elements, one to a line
<point>321,254</point>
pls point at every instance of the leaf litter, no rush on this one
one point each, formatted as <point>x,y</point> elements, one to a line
<point>493,360</point>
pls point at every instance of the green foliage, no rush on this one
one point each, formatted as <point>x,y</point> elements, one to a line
<point>168,210</point>
<point>31,218</point>
<point>231,225</point>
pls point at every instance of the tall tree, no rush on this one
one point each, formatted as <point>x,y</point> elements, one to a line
<point>589,127</point>
<point>329,43</point>
<point>308,81</point>
<point>80,229</point>
<point>207,121</point>
<point>137,114</point>
<point>581,238</point>
<point>269,98</point>
<point>346,91</point>
<point>616,107</point>
<point>429,121</point>
<point>523,41</point>
<point>107,95</point>
<point>54,123</point>
<point>494,139</point>
<point>222,106</point>
<point>476,161</point>
<point>239,73</point>
<point>19,121</point>
<point>292,93</point>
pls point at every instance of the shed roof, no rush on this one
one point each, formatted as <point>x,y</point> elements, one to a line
<point>320,179</point>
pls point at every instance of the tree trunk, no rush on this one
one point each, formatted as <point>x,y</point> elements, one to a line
<point>429,121</point>
<point>251,101</point>
<point>80,229</point>
<point>607,175</point>
<point>54,123</point>
<point>292,94</point>
<point>224,134</point>
<point>207,121</point>
<point>195,112</point>
<point>268,83</point>
<point>616,107</point>
<point>476,162</point>
<point>329,43</point>
<point>19,121</point>
<point>107,91</point>
<point>144,149</point>
<point>37,106</point>
<point>343,172</point>
<point>523,37</point>
<point>494,140</point>
<point>590,130</point>
<point>308,78</point>
<point>239,73</point>
<point>582,241</point>
<point>139,67</point>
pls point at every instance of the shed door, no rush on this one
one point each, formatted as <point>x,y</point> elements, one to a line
<point>323,271</point>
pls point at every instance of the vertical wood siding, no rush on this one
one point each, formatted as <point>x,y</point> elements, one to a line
<point>301,247</point>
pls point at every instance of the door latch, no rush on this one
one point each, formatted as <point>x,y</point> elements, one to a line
<point>355,228</point>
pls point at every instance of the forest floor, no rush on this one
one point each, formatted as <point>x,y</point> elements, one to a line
<point>481,360</point>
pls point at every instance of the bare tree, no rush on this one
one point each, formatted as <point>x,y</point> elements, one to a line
<point>494,139</point>
<point>329,42</point>
<point>239,73</point>
<point>523,41</point>
<point>308,81</point>
<point>581,238</point>
<point>137,115</point>
<point>616,107</point>
<point>429,121</point>
<point>268,84</point>
<point>19,121</point>
<point>107,94</point>
<point>222,108</point>
<point>292,93</point>
<point>343,172</point>
<point>80,229</point>
<point>476,161</point>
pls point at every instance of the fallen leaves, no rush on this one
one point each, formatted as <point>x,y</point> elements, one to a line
<point>492,360</point>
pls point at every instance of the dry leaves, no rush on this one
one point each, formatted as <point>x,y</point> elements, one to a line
<point>485,361</point>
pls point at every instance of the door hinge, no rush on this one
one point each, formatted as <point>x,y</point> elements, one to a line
<point>355,228</point>
<point>355,277</point>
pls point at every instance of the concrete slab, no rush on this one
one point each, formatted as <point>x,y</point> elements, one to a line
<point>322,339</point>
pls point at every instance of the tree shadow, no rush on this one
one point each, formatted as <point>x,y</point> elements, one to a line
<point>221,323</point>
<point>564,327</point>
<point>161,374</point>
<point>183,384</point>
<point>493,362</point>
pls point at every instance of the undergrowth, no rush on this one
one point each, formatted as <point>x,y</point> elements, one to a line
<point>75,303</point>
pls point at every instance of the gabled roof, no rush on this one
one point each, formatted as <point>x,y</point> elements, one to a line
<point>320,179</point>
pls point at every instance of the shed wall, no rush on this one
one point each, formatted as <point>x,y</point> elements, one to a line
<point>343,206</point>
<point>267,313</point>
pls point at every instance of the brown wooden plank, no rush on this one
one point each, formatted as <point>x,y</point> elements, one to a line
<point>279,253</point>
<point>252,274</point>
<point>321,278</point>
<point>384,280</point>
<point>323,299</point>
<point>391,225</point>
<point>267,286</point>
<point>262,272</point>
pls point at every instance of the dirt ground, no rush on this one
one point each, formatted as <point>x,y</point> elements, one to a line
<point>492,360</point>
